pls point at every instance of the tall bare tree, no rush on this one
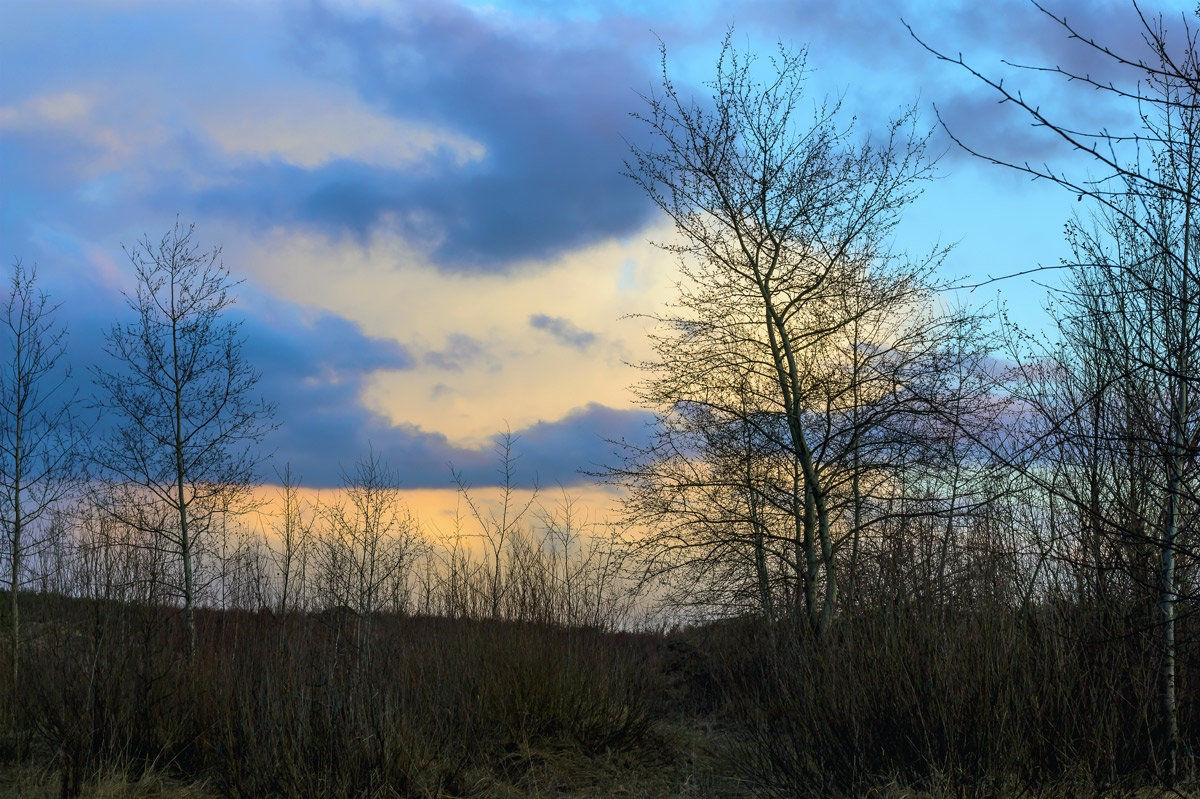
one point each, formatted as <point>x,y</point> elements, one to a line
<point>1135,289</point>
<point>798,334</point>
<point>38,432</point>
<point>186,420</point>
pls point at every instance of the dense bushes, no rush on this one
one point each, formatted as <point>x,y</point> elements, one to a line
<point>295,707</point>
<point>977,701</point>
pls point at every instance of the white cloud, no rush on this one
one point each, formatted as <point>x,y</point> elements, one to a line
<point>309,127</point>
<point>108,133</point>
<point>134,132</point>
<point>56,109</point>
<point>392,294</point>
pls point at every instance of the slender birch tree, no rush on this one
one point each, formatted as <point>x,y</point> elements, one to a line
<point>184,414</point>
<point>1134,293</point>
<point>39,434</point>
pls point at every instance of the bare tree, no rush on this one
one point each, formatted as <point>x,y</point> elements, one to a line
<point>186,421</point>
<point>38,432</point>
<point>799,334</point>
<point>1143,185</point>
<point>498,526</point>
<point>293,541</point>
<point>368,545</point>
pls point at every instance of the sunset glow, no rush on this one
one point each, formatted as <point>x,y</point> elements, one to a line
<point>426,201</point>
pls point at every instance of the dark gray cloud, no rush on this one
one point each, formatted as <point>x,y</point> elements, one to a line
<point>1015,44</point>
<point>549,103</point>
<point>564,331</point>
<point>563,451</point>
<point>315,367</point>
<point>545,92</point>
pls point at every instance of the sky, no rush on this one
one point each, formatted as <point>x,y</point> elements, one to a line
<point>425,200</point>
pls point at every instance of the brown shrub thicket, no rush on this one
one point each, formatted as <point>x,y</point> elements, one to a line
<point>976,702</point>
<point>442,707</point>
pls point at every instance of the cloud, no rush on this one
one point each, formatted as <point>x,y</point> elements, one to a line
<point>59,109</point>
<point>410,186</point>
<point>564,451</point>
<point>309,128</point>
<point>461,351</point>
<point>587,439</point>
<point>564,330</point>
<point>548,103</point>
<point>478,361</point>
<point>488,138</point>
<point>315,366</point>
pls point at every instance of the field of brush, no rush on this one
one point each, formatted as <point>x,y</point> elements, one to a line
<point>975,703</point>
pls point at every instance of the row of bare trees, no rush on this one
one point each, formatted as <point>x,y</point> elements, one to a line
<point>357,551</point>
<point>180,421</point>
<point>1116,426</point>
<point>152,501</point>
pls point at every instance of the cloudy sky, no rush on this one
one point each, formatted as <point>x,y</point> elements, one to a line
<point>425,198</point>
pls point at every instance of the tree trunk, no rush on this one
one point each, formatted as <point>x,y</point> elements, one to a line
<point>1167,590</point>
<point>185,542</point>
<point>15,612</point>
<point>17,554</point>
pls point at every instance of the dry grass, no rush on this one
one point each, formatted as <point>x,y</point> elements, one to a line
<point>677,763</point>
<point>41,782</point>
